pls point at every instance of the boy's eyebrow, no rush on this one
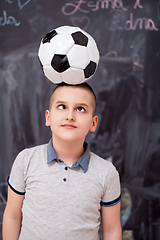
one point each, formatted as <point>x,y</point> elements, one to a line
<point>60,101</point>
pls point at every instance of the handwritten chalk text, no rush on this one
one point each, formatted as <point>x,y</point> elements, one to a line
<point>71,8</point>
<point>20,5</point>
<point>9,1</point>
<point>8,20</point>
<point>116,21</point>
<point>141,23</point>
<point>137,4</point>
<point>131,24</point>
<point>19,2</point>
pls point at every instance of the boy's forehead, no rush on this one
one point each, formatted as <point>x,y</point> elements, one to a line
<point>71,92</point>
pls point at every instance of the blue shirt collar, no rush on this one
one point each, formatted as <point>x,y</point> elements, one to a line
<point>83,161</point>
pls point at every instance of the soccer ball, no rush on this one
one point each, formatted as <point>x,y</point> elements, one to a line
<point>68,54</point>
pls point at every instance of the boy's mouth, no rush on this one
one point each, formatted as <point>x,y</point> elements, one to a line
<point>68,126</point>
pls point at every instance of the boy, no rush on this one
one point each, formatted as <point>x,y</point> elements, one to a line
<point>58,190</point>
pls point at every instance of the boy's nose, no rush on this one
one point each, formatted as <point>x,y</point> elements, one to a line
<point>70,115</point>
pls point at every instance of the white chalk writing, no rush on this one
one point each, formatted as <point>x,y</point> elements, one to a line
<point>8,20</point>
<point>20,5</point>
<point>116,21</point>
<point>9,1</point>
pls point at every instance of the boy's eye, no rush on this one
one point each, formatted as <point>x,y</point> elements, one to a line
<point>62,106</point>
<point>80,109</point>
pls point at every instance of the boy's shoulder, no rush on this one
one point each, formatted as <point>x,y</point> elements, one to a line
<point>99,160</point>
<point>34,149</point>
<point>35,152</point>
<point>101,164</point>
<point>103,171</point>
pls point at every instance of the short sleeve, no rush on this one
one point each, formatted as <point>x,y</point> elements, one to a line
<point>16,179</point>
<point>112,191</point>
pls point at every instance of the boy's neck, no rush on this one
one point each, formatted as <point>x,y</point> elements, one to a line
<point>68,152</point>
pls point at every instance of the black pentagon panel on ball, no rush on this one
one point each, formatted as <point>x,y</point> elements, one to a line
<point>60,63</point>
<point>80,39</point>
<point>49,36</point>
<point>90,69</point>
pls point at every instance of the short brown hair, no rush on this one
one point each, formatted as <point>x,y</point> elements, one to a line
<point>85,86</point>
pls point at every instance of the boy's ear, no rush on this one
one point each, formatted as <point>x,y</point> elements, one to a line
<point>94,124</point>
<point>47,116</point>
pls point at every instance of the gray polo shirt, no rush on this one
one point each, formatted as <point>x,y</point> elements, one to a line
<point>62,202</point>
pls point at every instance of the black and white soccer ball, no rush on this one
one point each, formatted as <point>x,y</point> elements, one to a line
<point>68,54</point>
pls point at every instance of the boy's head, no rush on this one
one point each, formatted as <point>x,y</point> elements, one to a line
<point>71,113</point>
<point>83,86</point>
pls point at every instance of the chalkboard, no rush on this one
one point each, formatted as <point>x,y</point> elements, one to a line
<point>126,84</point>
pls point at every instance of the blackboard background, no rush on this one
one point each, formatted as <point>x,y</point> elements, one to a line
<point>126,83</point>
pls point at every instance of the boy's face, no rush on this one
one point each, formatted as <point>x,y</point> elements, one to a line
<point>71,114</point>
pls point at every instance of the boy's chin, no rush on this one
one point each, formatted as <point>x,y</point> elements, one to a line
<point>69,139</point>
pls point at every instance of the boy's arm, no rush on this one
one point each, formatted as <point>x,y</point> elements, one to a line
<point>111,225</point>
<point>12,216</point>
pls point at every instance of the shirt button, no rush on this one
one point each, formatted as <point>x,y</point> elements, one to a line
<point>64,179</point>
<point>66,168</point>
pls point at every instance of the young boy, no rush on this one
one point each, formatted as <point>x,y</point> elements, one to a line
<point>58,190</point>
